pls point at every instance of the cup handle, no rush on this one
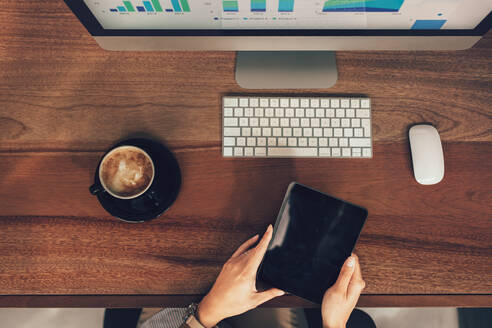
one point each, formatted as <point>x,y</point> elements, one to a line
<point>95,189</point>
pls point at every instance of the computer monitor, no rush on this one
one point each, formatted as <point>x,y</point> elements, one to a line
<point>304,31</point>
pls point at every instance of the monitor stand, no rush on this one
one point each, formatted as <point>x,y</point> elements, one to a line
<point>286,69</point>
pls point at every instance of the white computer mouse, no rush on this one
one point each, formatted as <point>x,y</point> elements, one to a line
<point>427,155</point>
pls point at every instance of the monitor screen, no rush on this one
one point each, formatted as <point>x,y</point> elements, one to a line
<point>289,14</point>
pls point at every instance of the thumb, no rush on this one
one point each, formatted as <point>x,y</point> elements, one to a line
<point>345,275</point>
<point>269,294</point>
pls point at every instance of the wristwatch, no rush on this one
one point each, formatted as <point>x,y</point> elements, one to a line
<point>190,316</point>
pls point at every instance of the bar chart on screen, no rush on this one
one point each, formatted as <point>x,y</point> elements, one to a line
<point>152,6</point>
<point>362,6</point>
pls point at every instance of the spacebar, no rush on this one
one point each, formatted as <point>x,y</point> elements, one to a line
<point>292,152</point>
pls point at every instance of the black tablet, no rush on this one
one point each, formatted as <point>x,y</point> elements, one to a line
<point>313,236</point>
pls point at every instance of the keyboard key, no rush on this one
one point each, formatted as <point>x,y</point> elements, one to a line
<point>318,132</point>
<point>277,132</point>
<point>320,112</point>
<point>232,132</point>
<point>304,122</point>
<point>264,102</point>
<point>335,152</point>
<point>313,142</point>
<point>315,122</point>
<point>243,121</point>
<point>294,122</point>
<point>279,112</point>
<point>308,132</point>
<point>231,102</point>
<point>243,102</point>
<point>261,142</point>
<point>360,142</point>
<point>269,112</point>
<point>366,152</point>
<point>366,124</point>
<point>246,132</point>
<point>343,142</point>
<point>254,121</point>
<point>350,112</point>
<point>304,102</point>
<point>241,141</point>
<point>289,112</point>
<point>328,132</point>
<point>227,151</point>
<point>272,142</point>
<point>297,132</point>
<point>302,142</point>
<point>358,132</point>
<point>248,112</point>
<point>314,103</point>
<point>292,142</point>
<point>284,102</point>
<point>299,112</point>
<point>248,151</point>
<point>348,132</point>
<point>256,132</point>
<point>294,102</point>
<point>325,122</point>
<point>230,121</point>
<point>333,142</point>
<point>345,122</point>
<point>338,132</point>
<point>287,132</point>
<point>282,142</point>
<point>266,132</point>
<point>354,103</point>
<point>284,122</point>
<point>346,152</point>
<point>363,113</point>
<point>340,112</point>
<point>364,103</point>
<point>323,142</point>
<point>345,103</point>
<point>238,151</point>
<point>356,122</point>
<point>324,152</point>
<point>357,151</point>
<point>274,103</point>
<point>228,111</point>
<point>325,103</point>
<point>259,112</point>
<point>251,141</point>
<point>260,151</point>
<point>274,121</point>
<point>253,102</point>
<point>335,122</point>
<point>264,121</point>
<point>335,103</point>
<point>228,141</point>
<point>310,112</point>
<point>330,112</point>
<point>292,152</point>
<point>238,112</point>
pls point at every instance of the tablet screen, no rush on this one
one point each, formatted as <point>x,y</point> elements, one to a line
<point>313,236</point>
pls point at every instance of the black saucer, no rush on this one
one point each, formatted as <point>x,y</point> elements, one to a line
<point>161,194</point>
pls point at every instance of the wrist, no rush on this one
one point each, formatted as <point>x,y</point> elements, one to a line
<point>207,314</point>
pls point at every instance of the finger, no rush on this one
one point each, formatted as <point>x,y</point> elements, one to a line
<point>267,295</point>
<point>346,274</point>
<point>356,284</point>
<point>260,249</point>
<point>245,246</point>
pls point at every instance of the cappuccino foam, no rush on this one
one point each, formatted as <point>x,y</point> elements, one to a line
<point>126,172</point>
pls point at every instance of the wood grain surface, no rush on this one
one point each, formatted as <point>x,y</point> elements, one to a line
<point>63,101</point>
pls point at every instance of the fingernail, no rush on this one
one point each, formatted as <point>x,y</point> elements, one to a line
<point>351,262</point>
<point>269,227</point>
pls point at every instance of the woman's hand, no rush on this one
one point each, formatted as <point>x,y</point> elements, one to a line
<point>234,292</point>
<point>341,298</point>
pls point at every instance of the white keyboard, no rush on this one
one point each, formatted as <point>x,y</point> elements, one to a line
<point>296,127</point>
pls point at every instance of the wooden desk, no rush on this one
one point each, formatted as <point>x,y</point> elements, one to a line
<point>63,101</point>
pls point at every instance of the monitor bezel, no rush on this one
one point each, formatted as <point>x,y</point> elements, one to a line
<point>83,13</point>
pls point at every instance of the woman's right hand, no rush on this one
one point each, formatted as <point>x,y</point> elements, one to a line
<point>340,299</point>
